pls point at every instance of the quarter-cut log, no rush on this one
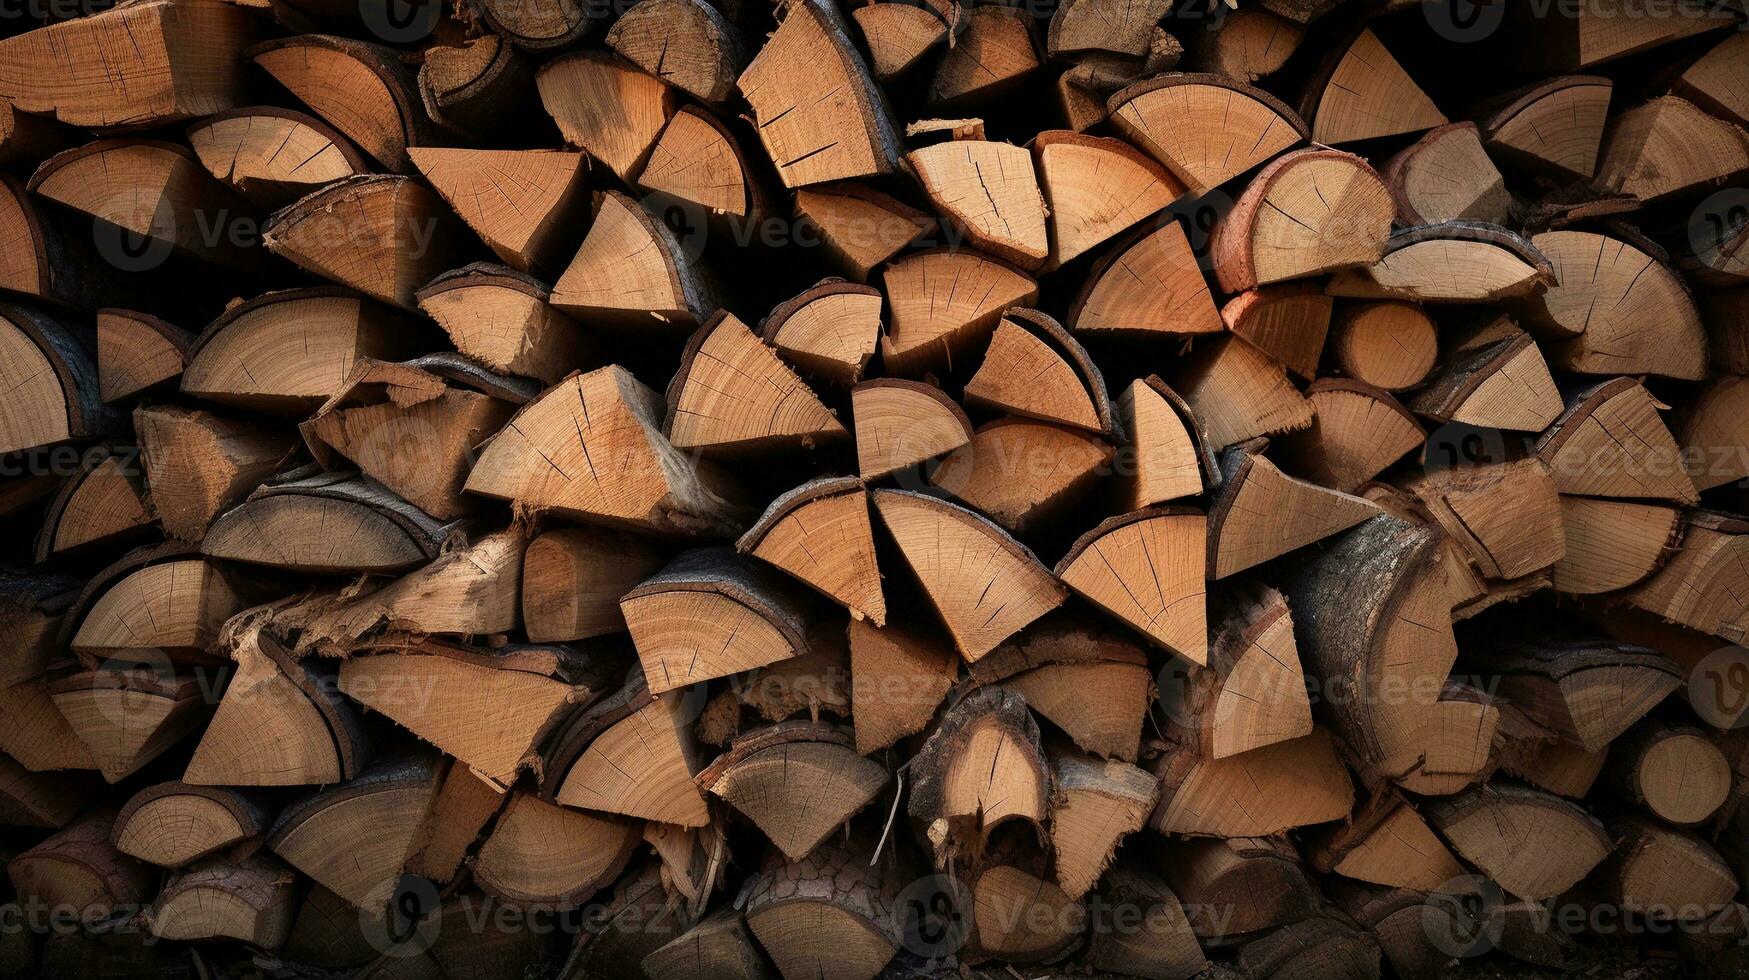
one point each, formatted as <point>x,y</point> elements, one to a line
<point>720,947</point>
<point>1553,126</point>
<point>900,423</point>
<point>899,675</point>
<point>1035,368</point>
<point>1113,566</point>
<point>137,352</point>
<point>820,532</point>
<point>829,331</point>
<point>1496,379</point>
<point>1533,844</point>
<point>1359,431</point>
<point>697,164</point>
<point>273,156</point>
<point>1148,283</point>
<point>502,319</point>
<point>364,90</point>
<point>1670,146</point>
<point>573,578</point>
<point>1172,458</point>
<point>1447,176</point>
<point>1309,212</point>
<point>128,717</point>
<point>857,226</point>
<point>1239,393</point>
<point>733,394</point>
<point>994,51</point>
<point>548,856</point>
<point>632,273</point>
<point>467,87</point>
<point>687,43</point>
<point>1023,474</point>
<point>1618,310</point>
<point>898,35</point>
<point>1235,886</point>
<point>524,204</point>
<point>831,915</point>
<point>1610,442</point>
<point>1715,81</point>
<point>1088,679</point>
<point>1161,948</point>
<point>1268,790</point>
<point>1321,946</point>
<point>50,379</point>
<point>1261,513</point>
<point>104,503</point>
<point>1364,94</point>
<point>174,824</point>
<point>1612,544</point>
<point>606,106</point>
<point>1253,691</point>
<point>1098,804</point>
<point>1387,843</point>
<point>797,781</point>
<point>1715,447</point>
<point>1095,188</point>
<point>1205,129</point>
<point>1668,874</point>
<point>641,765</point>
<point>990,193</point>
<point>1451,262</point>
<point>353,838</point>
<point>944,304</point>
<point>1288,321</point>
<point>1504,517</point>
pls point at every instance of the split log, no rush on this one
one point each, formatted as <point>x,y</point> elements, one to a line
<point>547,856</point>
<point>607,107</point>
<point>1112,565</point>
<point>464,804</point>
<point>697,164</point>
<point>327,523</point>
<point>501,318</point>
<point>104,504</point>
<point>686,43</point>
<point>573,578</point>
<point>820,533</point>
<point>1715,450</point>
<point>1390,345</point>
<point>154,602</point>
<point>1172,457</point>
<point>1234,886</point>
<point>1097,804</point>
<point>1148,283</point>
<point>273,156</point>
<point>1387,843</point>
<point>1713,82</point>
<point>1613,544</point>
<point>994,50</point>
<point>1504,517</point>
<point>1239,393</point>
<point>522,203</point>
<point>538,27</point>
<point>857,226</point>
<point>1162,948</point>
<point>713,599</point>
<point>1095,188</point>
<point>1667,874</point>
<point>720,947</point>
<point>1090,681</point>
<point>1268,790</point>
<point>1494,379</point>
<point>944,303</point>
<point>1083,26</point>
<point>829,331</point>
<point>1673,771</point>
<point>1534,845</point>
<point>137,352</point>
<point>899,676</point>
<point>653,487</point>
<point>796,781</point>
<point>1451,262</point>
<point>353,838</point>
<point>1307,213</point>
<point>52,387</point>
<point>898,35</point>
<point>383,235</point>
<point>1023,474</point>
<point>78,871</point>
<point>901,423</point>
<point>1236,126</point>
<point>1321,946</point>
<point>1247,44</point>
<point>1018,915</point>
<point>1253,692</point>
<point>1553,126</point>
<point>34,737</point>
<point>1667,147</point>
<point>249,900</point>
<point>981,766</point>
<point>1034,368</point>
<point>641,764</point>
<point>173,825</point>
<point>363,90</point>
<point>1261,513</point>
<point>128,717</point>
<point>1447,176</point>
<point>638,917</point>
<point>1610,442</point>
<point>830,915</point>
<point>940,541</point>
<point>1288,321</point>
<point>1363,93</point>
<point>1623,310</point>
<point>1535,754</point>
<point>1359,431</point>
<point>732,394</point>
<point>990,194</point>
<point>632,273</point>
<point>465,88</point>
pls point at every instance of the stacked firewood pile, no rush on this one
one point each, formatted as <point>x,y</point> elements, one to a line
<point>699,490</point>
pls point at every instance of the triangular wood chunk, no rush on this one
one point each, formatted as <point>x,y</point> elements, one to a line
<point>1715,82</point>
<point>1452,262</point>
<point>733,394</point>
<point>641,766</point>
<point>1081,26</point>
<point>1307,213</point>
<point>1288,321</point>
<point>993,52</point>
<point>1254,794</point>
<point>1447,176</point>
<point>687,43</point>
<point>944,303</point>
<point>1172,455</point>
<point>1669,146</point>
<point>1095,188</point>
<point>1359,432</point>
<point>161,599</point>
<point>1624,311</point>
<point>501,318</point>
<point>1164,945</point>
<point>1611,443</point>
<point>898,654</point>
<point>1612,544</point>
<point>829,331</point>
<point>1495,379</point>
<point>127,718</point>
<point>1145,569</point>
<point>859,227</point>
<point>173,824</point>
<point>1262,513</point>
<point>631,272</point>
<point>274,156</point>
<point>1367,94</point>
<point>1240,393</point>
<point>1253,692</point>
<point>1206,129</point>
<point>324,835</point>
<point>820,532</point>
<point>1086,677</point>
<point>545,460</point>
<point>900,423</point>
<point>1023,474</point>
<point>364,90</point>
<point>1035,368</point>
<point>829,122</point>
<point>720,947</point>
<point>137,352</point>
<point>606,106</point>
<point>1388,843</point>
<point>1532,844</point>
<point>524,204</point>
<point>711,613</point>
<point>990,193</point>
<point>547,855</point>
<point>1701,584</point>
<point>250,900</point>
<point>1662,868</point>
<point>1505,518</point>
<point>51,381</point>
<point>1713,434</point>
<point>941,542</point>
<point>1100,803</point>
<point>103,503</point>
<point>1150,283</point>
<point>385,236</point>
<point>698,164</point>
<point>797,781</point>
<point>1554,126</point>
<point>898,35</point>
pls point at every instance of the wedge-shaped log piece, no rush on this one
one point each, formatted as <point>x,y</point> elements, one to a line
<point>1387,843</point>
<point>859,227</point>
<point>1035,368</point>
<point>1023,474</point>
<point>1365,94</point>
<point>1262,513</point>
<point>940,542</point>
<point>1624,311</point>
<point>502,319</point>
<point>466,86</point>
<point>1537,755</point>
<point>797,781</point>
<point>489,708</point>
<point>1553,126</point>
<point>282,722</point>
<point>1288,321</point>
<point>1612,544</point>
<point>544,460</point>
<point>465,803</point>
<point>1088,679</point>
<point>1161,948</point>
<point>711,613</point>
<point>642,765</point>
<point>1715,82</point>
<point>1669,146</point>
<point>137,352</point>
<point>250,900</point>
<point>1018,913</point>
<point>1307,213</point>
<point>1359,431</point>
<point>1206,129</point>
<point>981,767</point>
<point>103,503</point>
<point>829,331</point>
<point>35,607</point>
<point>1711,428</point>
<point>829,122</point>
<point>1172,456</point>
<point>1451,262</point>
<point>1610,442</point>
<point>1095,188</point>
<point>899,675</point>
<point>1149,283</point>
<point>697,163</point>
<point>174,824</point>
<point>1447,176</point>
<point>1372,610</point>
<point>164,599</point>
<point>273,156</point>
<point>385,236</point>
<point>990,193</point>
<point>353,838</point>
<point>1579,38</point>
<point>1114,565</point>
<point>632,273</point>
<point>994,50</point>
<point>1662,872</point>
<point>1086,26</point>
<point>720,947</point>
<point>128,717</point>
<point>1240,393</point>
<point>573,578</point>
<point>413,426</point>
<point>549,856</point>
<point>1700,585</point>
<point>687,43</point>
<point>900,423</point>
<point>1583,688</point>
<point>78,871</point>
<point>45,800</point>
<point>1504,517</point>
<point>1253,692</point>
<point>50,381</point>
<point>1098,804</point>
<point>733,394</point>
<point>151,189</point>
<point>1231,887</point>
<point>944,304</point>
<point>542,27</point>
<point>1674,771</point>
<point>288,351</point>
<point>898,35</point>
<point>606,106</point>
<point>1257,793</point>
<point>1533,844</point>
<point>820,533</point>
<point>54,254</point>
<point>524,204</point>
<point>364,90</point>
<point>1389,344</point>
<point>1496,379</point>
<point>137,66</point>
<point>831,915</point>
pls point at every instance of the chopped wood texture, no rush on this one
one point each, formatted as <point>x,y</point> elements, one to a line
<point>1253,692</point>
<point>1307,213</point>
<point>796,809</point>
<point>1447,176</point>
<point>1148,283</point>
<point>1023,474</point>
<point>1240,393</point>
<point>385,236</point>
<point>363,90</point>
<point>1533,844</point>
<point>1239,127</point>
<point>174,824</point>
<point>1265,791</point>
<point>1389,345</point>
<point>945,303</point>
<point>542,855</point>
<point>353,838</point>
<point>1095,188</point>
<point>1261,513</point>
<point>859,227</point>
<point>1623,311</point>
<point>607,107</point>
<point>127,718</point>
<point>1495,380</point>
<point>632,273</point>
<point>1611,443</point>
<point>687,43</point>
<point>250,900</point>
<point>573,578</point>
<point>1287,321</point>
<point>1451,262</point>
<point>1358,433</point>
<point>1612,544</point>
<point>829,332</point>
<point>1365,94</point>
<point>1555,126</point>
<point>990,193</point>
<point>520,202</point>
<point>1669,146</point>
<point>641,766</point>
<point>831,515</point>
<point>273,156</point>
<point>1034,368</point>
<point>1113,565</point>
<point>733,394</point>
<point>138,352</point>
